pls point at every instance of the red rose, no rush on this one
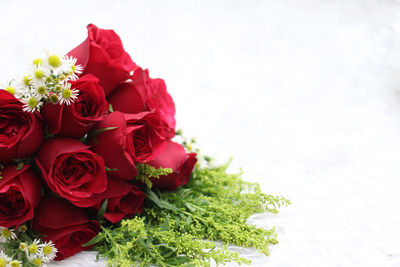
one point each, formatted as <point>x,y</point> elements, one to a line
<point>142,93</point>
<point>175,157</point>
<point>71,170</point>
<point>124,200</point>
<point>19,195</point>
<point>103,55</point>
<point>21,133</point>
<point>65,224</point>
<point>77,119</point>
<point>136,138</point>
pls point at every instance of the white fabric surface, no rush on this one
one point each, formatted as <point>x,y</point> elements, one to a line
<point>302,93</point>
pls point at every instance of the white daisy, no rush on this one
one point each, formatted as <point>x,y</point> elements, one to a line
<point>49,251</point>
<point>39,74</point>
<point>37,262</point>
<point>4,259</point>
<point>23,247</point>
<point>67,94</point>
<point>54,62</point>
<point>71,68</point>
<point>31,103</point>
<point>34,250</point>
<point>24,83</point>
<point>13,89</point>
<point>15,263</point>
<point>40,90</point>
<point>6,234</point>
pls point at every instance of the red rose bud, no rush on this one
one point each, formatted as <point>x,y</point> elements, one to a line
<point>77,119</point>
<point>123,200</point>
<point>175,157</point>
<point>142,93</point>
<point>66,225</point>
<point>71,170</point>
<point>103,55</point>
<point>21,133</point>
<point>131,138</point>
<point>19,195</point>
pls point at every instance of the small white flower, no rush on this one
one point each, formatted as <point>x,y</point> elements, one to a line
<point>49,251</point>
<point>39,74</point>
<point>24,83</point>
<point>15,263</point>
<point>37,262</point>
<point>40,91</point>
<point>67,94</point>
<point>72,70</point>
<point>31,103</point>
<point>23,246</point>
<point>4,259</point>
<point>13,89</point>
<point>34,250</point>
<point>54,62</point>
<point>7,234</point>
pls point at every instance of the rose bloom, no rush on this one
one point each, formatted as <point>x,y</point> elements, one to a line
<point>68,226</point>
<point>175,157</point>
<point>103,55</point>
<point>21,133</point>
<point>133,138</point>
<point>71,170</point>
<point>77,119</point>
<point>124,200</point>
<point>20,192</point>
<point>142,93</point>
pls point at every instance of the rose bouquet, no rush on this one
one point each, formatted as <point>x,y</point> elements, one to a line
<point>90,159</point>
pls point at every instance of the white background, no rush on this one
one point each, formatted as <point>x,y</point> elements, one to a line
<point>302,93</point>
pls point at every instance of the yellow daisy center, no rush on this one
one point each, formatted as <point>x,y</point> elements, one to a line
<point>54,98</point>
<point>49,79</point>
<point>47,250</point>
<point>54,61</point>
<point>27,80</point>
<point>23,228</point>
<point>57,88</point>
<point>32,249</point>
<point>37,262</point>
<point>39,74</point>
<point>6,233</point>
<point>41,90</point>
<point>11,90</point>
<point>14,264</point>
<point>37,61</point>
<point>22,246</point>
<point>32,102</point>
<point>66,93</point>
<point>3,262</point>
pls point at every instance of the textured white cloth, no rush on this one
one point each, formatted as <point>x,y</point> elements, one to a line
<point>302,93</point>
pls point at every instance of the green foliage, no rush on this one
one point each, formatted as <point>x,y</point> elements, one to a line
<point>146,171</point>
<point>178,228</point>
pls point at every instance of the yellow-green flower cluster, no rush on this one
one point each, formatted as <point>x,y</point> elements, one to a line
<point>35,253</point>
<point>47,81</point>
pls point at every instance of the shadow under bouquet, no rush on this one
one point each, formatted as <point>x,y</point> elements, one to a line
<point>90,159</point>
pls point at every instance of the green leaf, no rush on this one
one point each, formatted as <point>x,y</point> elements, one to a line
<point>159,202</point>
<point>94,240</point>
<point>102,209</point>
<point>20,165</point>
